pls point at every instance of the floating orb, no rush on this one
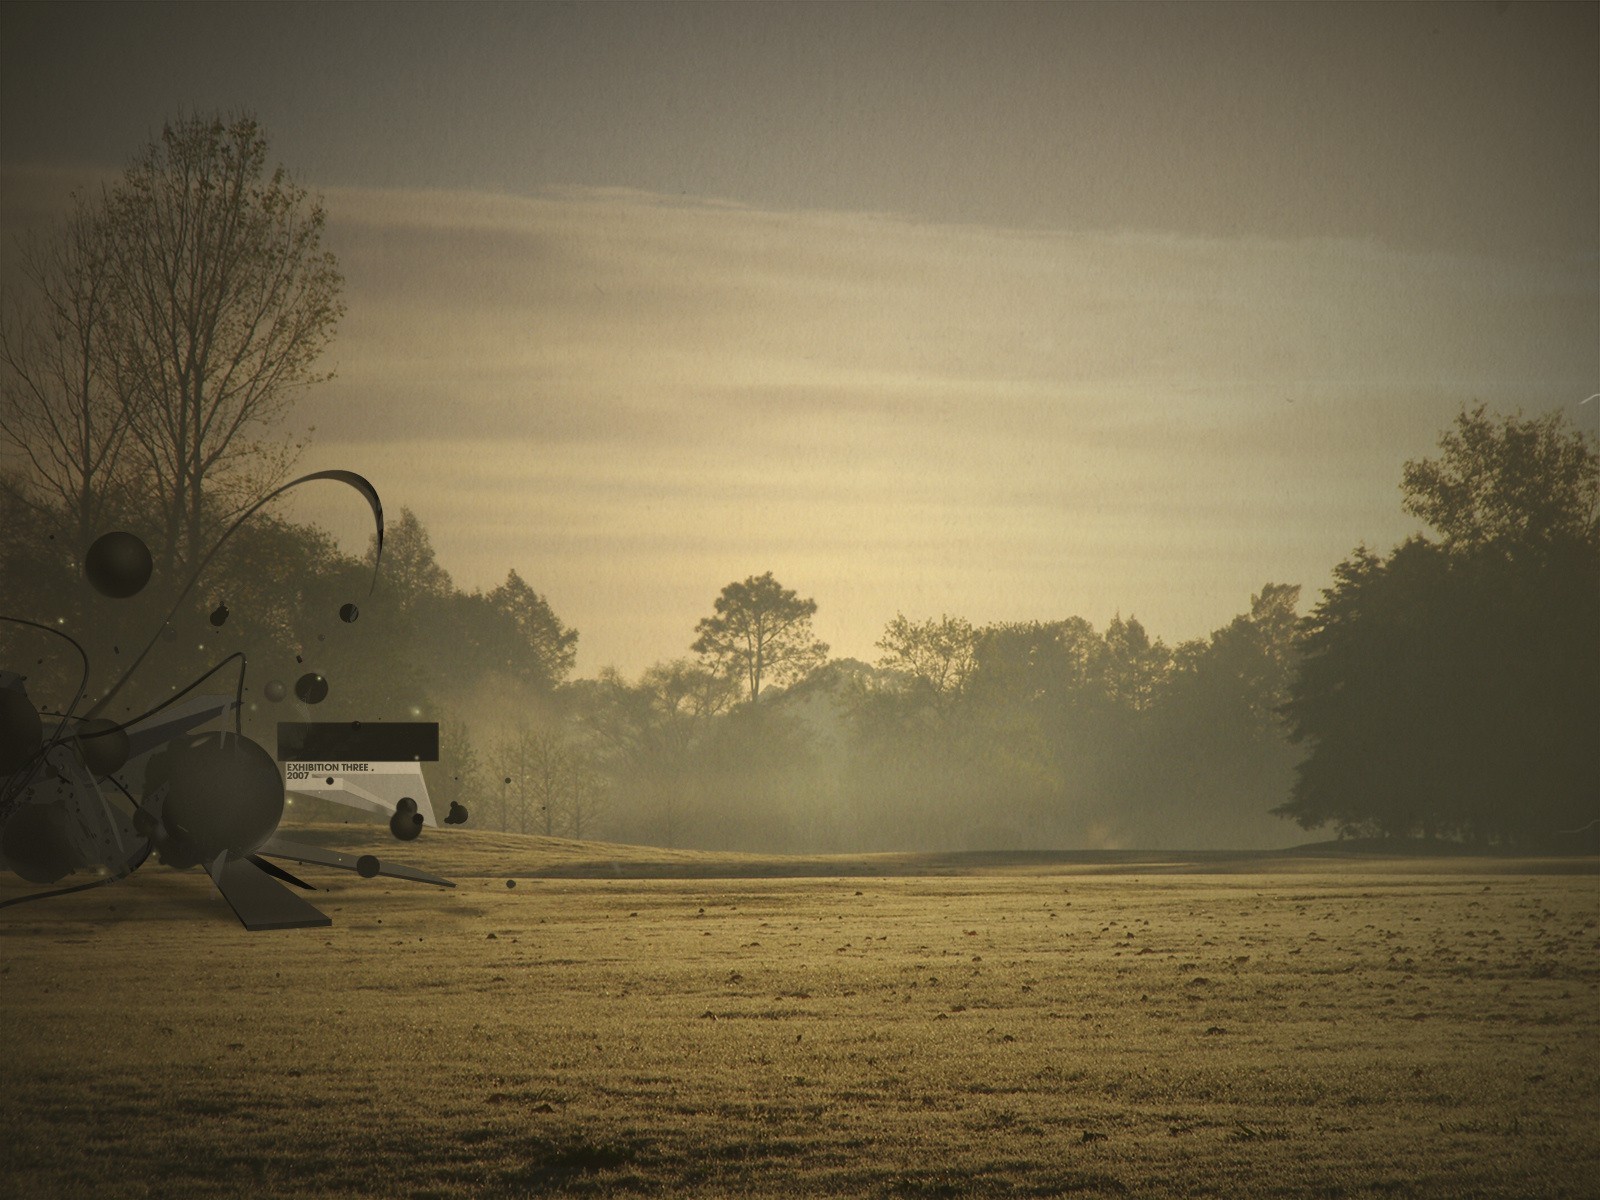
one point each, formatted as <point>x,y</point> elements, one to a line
<point>275,690</point>
<point>311,688</point>
<point>104,745</point>
<point>348,613</point>
<point>21,730</point>
<point>406,826</point>
<point>36,843</point>
<point>219,615</point>
<point>224,794</point>
<point>406,805</point>
<point>511,883</point>
<point>368,866</point>
<point>118,565</point>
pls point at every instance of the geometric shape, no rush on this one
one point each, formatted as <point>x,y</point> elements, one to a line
<point>259,901</point>
<point>277,872</point>
<point>118,565</point>
<point>281,847</point>
<point>225,794</point>
<point>358,741</point>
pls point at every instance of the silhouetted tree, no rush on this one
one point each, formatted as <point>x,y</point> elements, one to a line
<point>60,409</point>
<point>1451,688</point>
<point>552,646</point>
<point>760,634</point>
<point>225,299</point>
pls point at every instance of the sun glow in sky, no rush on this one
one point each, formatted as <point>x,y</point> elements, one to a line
<point>1002,311</point>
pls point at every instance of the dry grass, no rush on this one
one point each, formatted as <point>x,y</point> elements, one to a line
<point>899,1026</point>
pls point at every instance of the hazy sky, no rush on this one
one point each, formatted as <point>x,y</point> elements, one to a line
<point>1007,311</point>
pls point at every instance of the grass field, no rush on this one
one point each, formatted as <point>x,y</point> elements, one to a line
<point>633,1021</point>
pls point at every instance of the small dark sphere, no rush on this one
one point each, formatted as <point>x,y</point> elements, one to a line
<point>118,565</point>
<point>21,730</point>
<point>104,745</point>
<point>275,690</point>
<point>406,805</point>
<point>348,613</point>
<point>511,883</point>
<point>225,794</point>
<point>406,827</point>
<point>311,688</point>
<point>368,866</point>
<point>457,814</point>
<point>36,843</point>
<point>219,615</point>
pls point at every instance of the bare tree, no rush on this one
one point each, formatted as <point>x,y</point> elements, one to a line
<point>59,407</point>
<point>225,301</point>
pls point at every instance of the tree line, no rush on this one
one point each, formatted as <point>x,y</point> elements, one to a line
<point>150,351</point>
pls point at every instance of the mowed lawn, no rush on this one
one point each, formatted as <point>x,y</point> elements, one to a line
<point>885,1026</point>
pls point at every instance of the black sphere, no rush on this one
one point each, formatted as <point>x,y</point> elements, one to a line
<point>348,613</point>
<point>225,795</point>
<point>368,866</point>
<point>219,615</point>
<point>407,827</point>
<point>118,565</point>
<point>37,845</point>
<point>406,805</point>
<point>21,730</point>
<point>104,745</point>
<point>311,688</point>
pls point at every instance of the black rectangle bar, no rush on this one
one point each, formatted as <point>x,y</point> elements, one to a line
<point>358,741</point>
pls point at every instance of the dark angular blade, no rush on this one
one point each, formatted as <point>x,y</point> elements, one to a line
<point>258,900</point>
<point>280,847</point>
<point>277,872</point>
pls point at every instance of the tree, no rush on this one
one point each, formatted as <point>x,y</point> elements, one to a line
<point>225,300</point>
<point>1515,481</point>
<point>59,407</point>
<point>409,570</point>
<point>761,634</point>
<point>1450,688</point>
<point>553,646</point>
<point>935,657</point>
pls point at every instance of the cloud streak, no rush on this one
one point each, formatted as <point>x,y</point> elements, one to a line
<point>633,399</point>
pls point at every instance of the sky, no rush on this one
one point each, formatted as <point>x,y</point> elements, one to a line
<point>1006,311</point>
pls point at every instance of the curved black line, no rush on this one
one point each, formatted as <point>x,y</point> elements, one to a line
<point>28,769</point>
<point>368,492</point>
<point>133,865</point>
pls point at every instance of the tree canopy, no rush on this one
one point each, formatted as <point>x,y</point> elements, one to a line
<point>760,634</point>
<point>1449,687</point>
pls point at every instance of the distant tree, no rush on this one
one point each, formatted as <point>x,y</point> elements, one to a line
<point>646,738</point>
<point>1509,482</point>
<point>760,634</point>
<point>409,572</point>
<point>1451,688</point>
<point>225,301</point>
<point>60,409</point>
<point>461,774</point>
<point>935,657</point>
<point>1133,666</point>
<point>554,647</point>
